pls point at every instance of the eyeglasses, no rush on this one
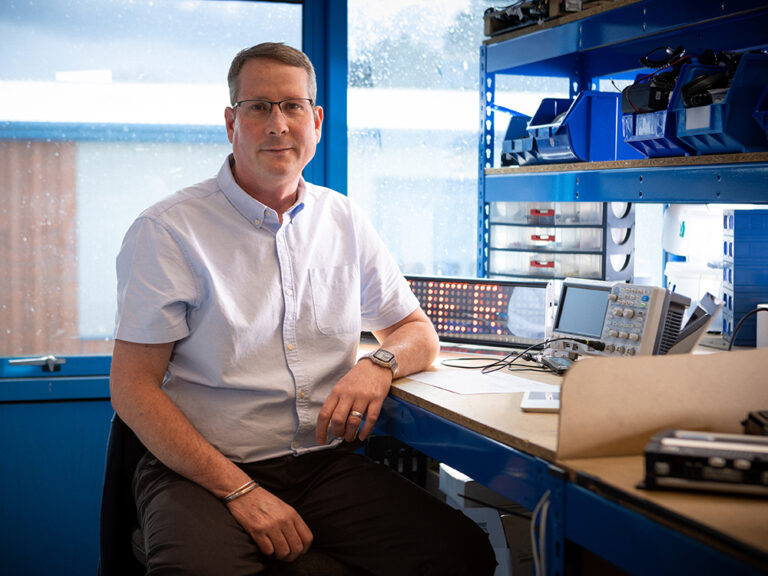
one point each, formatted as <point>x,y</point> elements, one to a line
<point>292,108</point>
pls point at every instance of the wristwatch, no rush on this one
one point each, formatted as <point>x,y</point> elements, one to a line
<point>384,358</point>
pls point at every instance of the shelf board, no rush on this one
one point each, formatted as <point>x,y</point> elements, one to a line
<point>590,10</point>
<point>612,36</point>
<point>671,161</point>
<point>723,178</point>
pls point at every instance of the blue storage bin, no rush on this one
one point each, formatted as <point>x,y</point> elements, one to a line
<point>584,129</point>
<point>745,270</point>
<point>725,126</point>
<point>518,147</point>
<point>761,112</point>
<point>654,134</point>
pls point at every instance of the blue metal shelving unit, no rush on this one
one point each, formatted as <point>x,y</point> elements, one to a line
<point>609,40</point>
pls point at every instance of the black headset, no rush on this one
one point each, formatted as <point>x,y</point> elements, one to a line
<point>670,55</point>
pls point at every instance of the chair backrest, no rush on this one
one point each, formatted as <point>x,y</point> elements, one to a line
<point>118,510</point>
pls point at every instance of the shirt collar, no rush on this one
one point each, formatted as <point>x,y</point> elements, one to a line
<point>250,208</point>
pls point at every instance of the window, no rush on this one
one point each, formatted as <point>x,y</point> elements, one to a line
<point>414,126</point>
<point>105,107</point>
<point>413,121</point>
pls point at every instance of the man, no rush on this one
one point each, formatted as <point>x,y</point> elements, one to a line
<point>241,300</point>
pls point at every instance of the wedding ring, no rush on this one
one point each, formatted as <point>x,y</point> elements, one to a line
<point>357,414</point>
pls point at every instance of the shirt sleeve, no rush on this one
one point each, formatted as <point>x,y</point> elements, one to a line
<point>155,286</point>
<point>386,297</point>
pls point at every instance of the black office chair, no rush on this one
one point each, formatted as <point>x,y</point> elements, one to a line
<point>121,542</point>
<point>119,529</point>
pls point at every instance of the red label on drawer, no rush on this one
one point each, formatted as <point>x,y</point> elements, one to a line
<point>535,212</point>
<point>540,264</point>
<point>543,237</point>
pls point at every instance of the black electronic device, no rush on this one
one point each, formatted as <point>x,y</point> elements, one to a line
<point>690,460</point>
<point>516,15</point>
<point>556,364</point>
<point>756,423</point>
<point>486,312</point>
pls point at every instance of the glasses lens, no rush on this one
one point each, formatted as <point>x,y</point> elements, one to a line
<point>296,108</point>
<point>255,108</point>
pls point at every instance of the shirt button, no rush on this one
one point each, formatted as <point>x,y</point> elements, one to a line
<point>290,346</point>
<point>295,444</point>
<point>302,394</point>
<point>257,222</point>
<point>288,291</point>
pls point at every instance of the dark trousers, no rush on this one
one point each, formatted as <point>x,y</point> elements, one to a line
<point>360,512</point>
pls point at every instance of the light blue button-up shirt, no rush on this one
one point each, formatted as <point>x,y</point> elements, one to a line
<point>266,317</point>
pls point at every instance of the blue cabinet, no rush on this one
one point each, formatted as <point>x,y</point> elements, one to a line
<point>54,423</point>
<point>608,39</point>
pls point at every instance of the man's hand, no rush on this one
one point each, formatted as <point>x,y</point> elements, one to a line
<point>274,525</point>
<point>361,391</point>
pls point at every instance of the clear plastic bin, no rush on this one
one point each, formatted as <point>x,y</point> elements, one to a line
<point>550,239</point>
<point>547,213</point>
<point>654,134</point>
<point>539,265</point>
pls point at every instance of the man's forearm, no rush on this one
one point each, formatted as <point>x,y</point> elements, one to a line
<point>413,341</point>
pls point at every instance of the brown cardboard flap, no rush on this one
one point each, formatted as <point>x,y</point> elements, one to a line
<point>612,406</point>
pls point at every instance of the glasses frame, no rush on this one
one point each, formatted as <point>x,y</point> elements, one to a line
<point>272,104</point>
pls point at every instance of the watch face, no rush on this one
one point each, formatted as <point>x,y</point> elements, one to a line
<point>384,355</point>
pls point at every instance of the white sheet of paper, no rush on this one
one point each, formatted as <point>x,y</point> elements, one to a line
<point>462,381</point>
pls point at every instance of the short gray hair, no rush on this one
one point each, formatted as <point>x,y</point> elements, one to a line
<point>274,51</point>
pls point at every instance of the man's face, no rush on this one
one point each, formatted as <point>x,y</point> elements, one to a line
<point>272,151</point>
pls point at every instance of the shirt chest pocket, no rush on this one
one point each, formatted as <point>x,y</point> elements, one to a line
<point>336,299</point>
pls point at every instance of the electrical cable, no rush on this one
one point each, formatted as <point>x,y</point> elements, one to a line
<point>543,537</point>
<point>741,322</point>
<point>496,364</point>
<point>675,57</point>
<point>534,544</point>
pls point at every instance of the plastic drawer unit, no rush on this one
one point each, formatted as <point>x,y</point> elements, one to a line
<point>727,124</point>
<point>551,266</point>
<point>547,213</point>
<point>745,274</point>
<point>555,240</point>
<point>581,239</point>
<point>584,129</point>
